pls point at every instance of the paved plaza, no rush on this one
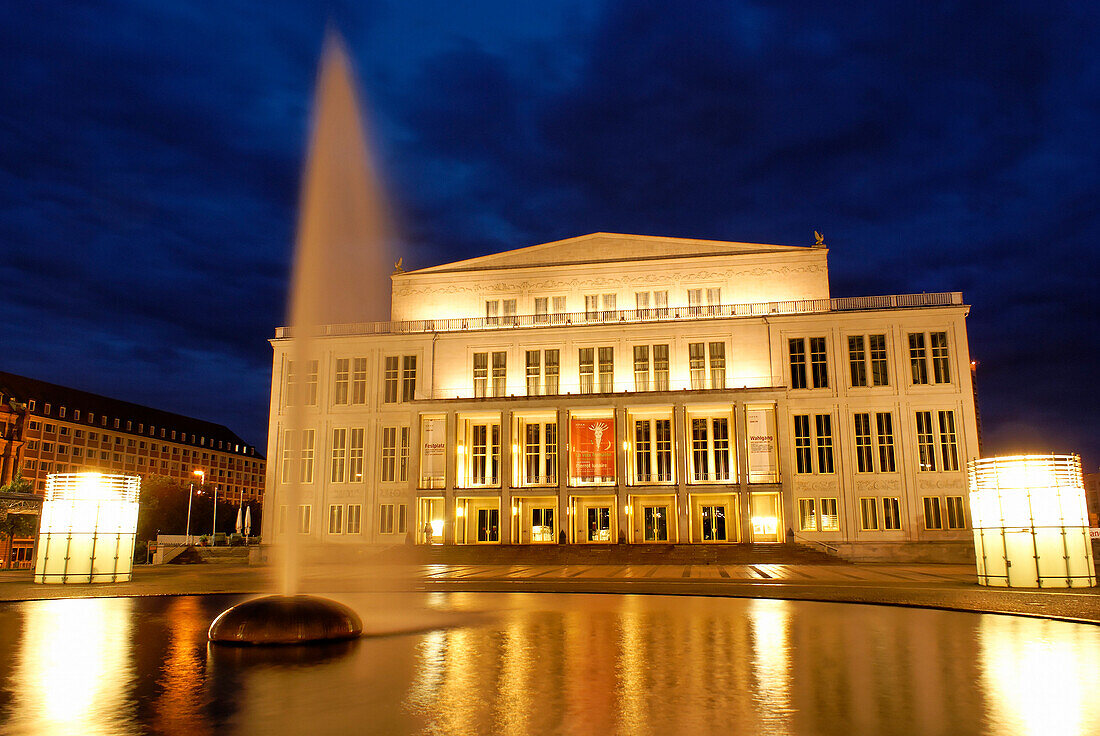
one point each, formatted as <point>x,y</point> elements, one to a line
<point>950,587</point>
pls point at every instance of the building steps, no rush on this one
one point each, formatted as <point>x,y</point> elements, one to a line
<point>615,554</point>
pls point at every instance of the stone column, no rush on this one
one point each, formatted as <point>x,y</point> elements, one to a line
<point>507,459</point>
<point>741,423</point>
<point>564,522</point>
<point>451,435</point>
<point>681,437</point>
<point>621,488</point>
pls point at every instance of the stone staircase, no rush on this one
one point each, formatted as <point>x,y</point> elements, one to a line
<point>613,554</point>
<point>201,555</point>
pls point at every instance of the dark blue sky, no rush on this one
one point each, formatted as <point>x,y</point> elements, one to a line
<point>150,153</point>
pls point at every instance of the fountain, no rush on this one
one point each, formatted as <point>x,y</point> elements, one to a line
<point>340,274</point>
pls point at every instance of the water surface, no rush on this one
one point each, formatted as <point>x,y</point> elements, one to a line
<point>550,663</point>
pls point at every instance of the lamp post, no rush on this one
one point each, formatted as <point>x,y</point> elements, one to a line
<point>190,494</point>
<point>214,530</point>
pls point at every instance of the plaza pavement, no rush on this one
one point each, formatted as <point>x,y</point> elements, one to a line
<point>951,587</point>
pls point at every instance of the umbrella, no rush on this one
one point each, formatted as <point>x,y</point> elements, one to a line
<point>238,521</point>
<point>247,520</point>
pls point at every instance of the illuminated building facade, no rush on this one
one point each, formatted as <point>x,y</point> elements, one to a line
<point>64,430</point>
<point>614,388</point>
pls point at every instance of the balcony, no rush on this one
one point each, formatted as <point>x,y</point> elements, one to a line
<point>635,316</point>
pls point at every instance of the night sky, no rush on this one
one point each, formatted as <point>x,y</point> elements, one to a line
<point>150,155</point>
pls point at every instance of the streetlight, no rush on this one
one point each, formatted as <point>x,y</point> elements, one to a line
<point>190,493</point>
<point>214,530</point>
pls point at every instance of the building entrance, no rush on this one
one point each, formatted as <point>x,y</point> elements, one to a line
<point>767,519</point>
<point>714,518</point>
<point>429,521</point>
<point>488,525</point>
<point>594,520</point>
<point>477,520</point>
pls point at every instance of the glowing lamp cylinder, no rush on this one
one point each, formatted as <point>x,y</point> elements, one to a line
<point>1030,523</point>
<point>89,522</point>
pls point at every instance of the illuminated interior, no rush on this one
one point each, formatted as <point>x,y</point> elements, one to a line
<point>89,521</point>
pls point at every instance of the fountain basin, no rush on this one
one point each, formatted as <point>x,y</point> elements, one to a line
<point>284,620</point>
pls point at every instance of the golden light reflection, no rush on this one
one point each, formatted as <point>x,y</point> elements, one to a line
<point>75,669</point>
<point>771,657</point>
<point>1041,684</point>
<point>182,674</point>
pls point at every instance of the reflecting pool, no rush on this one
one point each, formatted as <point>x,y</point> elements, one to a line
<point>541,663</point>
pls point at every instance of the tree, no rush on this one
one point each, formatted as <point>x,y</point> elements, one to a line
<point>17,523</point>
<point>164,508</point>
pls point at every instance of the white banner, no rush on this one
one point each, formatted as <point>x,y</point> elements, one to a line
<point>763,460</point>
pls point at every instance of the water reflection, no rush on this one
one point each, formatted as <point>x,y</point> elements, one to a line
<point>553,664</point>
<point>73,670</point>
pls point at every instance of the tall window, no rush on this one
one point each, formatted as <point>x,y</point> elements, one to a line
<point>311,385</point>
<point>355,515</point>
<point>403,454</point>
<point>483,466</point>
<point>509,311</point>
<point>551,364</point>
<point>534,372</point>
<point>392,518</point>
<point>807,515</point>
<point>830,519</point>
<point>697,366</point>
<point>933,518</point>
<point>797,348</point>
<point>717,351</point>
<point>305,457</point>
<point>926,448</point>
<point>305,518</point>
<point>884,422</point>
<point>949,446</point>
<point>540,453</point>
<point>710,450</point>
<point>918,358</point>
<point>641,300</point>
<point>868,511</point>
<point>819,368</point>
<point>335,519</point>
<point>341,381</point>
<point>542,309</point>
<point>607,370</point>
<point>290,384</point>
<point>591,306</point>
<point>481,374</point>
<point>956,516</point>
<point>714,300</point>
<point>288,456</point>
<point>408,378</point>
<point>802,452</point>
<point>558,303</point>
<point>695,301</point>
<point>492,312</point>
<point>641,364</point>
<point>389,380</point>
<point>858,360</point>
<point>891,513</point>
<point>338,464</point>
<point>864,453</point>
<point>359,381</point>
<point>824,426</point>
<point>586,362</point>
<point>941,363</point>
<point>652,450</point>
<point>608,305</point>
<point>355,455</point>
<point>500,370</point>
<point>389,454</point>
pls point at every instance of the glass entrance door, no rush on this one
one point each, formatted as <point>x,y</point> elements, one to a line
<point>542,524</point>
<point>488,525</point>
<point>655,523</point>
<point>766,519</point>
<point>599,524</point>
<point>714,523</point>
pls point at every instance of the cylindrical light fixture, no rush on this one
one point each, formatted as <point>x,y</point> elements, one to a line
<point>1030,523</point>
<point>89,521</point>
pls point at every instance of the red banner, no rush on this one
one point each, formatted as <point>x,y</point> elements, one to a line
<point>592,449</point>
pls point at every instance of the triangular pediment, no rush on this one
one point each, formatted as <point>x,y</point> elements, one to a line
<point>605,248</point>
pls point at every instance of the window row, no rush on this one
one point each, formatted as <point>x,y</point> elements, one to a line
<point>63,430</point>
<point>868,363</point>
<point>600,305</point>
<point>937,442</point>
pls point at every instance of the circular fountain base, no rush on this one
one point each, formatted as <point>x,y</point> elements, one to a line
<point>285,619</point>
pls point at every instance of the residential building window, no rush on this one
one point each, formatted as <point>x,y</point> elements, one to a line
<point>819,368</point>
<point>941,363</point>
<point>46,409</point>
<point>868,511</point>
<point>864,453</point>
<point>652,450</point>
<point>607,370</point>
<point>61,412</point>
<point>339,455</point>
<point>355,515</point>
<point>956,515</point>
<point>306,457</point>
<point>891,513</point>
<point>335,519</point>
<point>802,453</point>
<point>933,520</point>
<point>949,446</point>
<point>408,377</point>
<point>926,448</point>
<point>481,375</point>
<point>359,381</point>
<point>341,381</point>
<point>540,453</point>
<point>305,518</point>
<point>710,450</point>
<point>500,371</point>
<point>807,515</point>
<point>586,362</point>
<point>824,426</point>
<point>830,519</point>
<point>918,358</point>
<point>797,349</point>
<point>390,377</point>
